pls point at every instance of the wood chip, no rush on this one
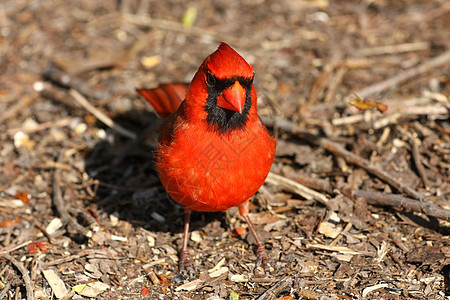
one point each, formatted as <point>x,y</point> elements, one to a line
<point>91,268</point>
<point>114,219</point>
<point>119,238</point>
<point>329,228</point>
<point>11,203</point>
<point>153,277</point>
<point>219,272</point>
<point>54,225</point>
<point>370,289</point>
<point>150,61</point>
<point>56,283</point>
<point>340,249</point>
<point>190,286</point>
<point>196,236</point>
<point>216,267</point>
<point>239,278</point>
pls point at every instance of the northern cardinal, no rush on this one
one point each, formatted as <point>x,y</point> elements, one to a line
<point>214,152</point>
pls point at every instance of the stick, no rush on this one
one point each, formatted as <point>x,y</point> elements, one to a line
<point>7,250</point>
<point>347,155</point>
<point>60,205</point>
<point>59,123</point>
<point>295,187</point>
<point>418,163</point>
<point>14,109</point>
<point>25,275</point>
<point>64,259</point>
<point>101,116</point>
<point>335,82</point>
<point>408,204</point>
<point>313,183</point>
<point>281,286</point>
<point>391,49</point>
<point>5,289</point>
<point>437,61</point>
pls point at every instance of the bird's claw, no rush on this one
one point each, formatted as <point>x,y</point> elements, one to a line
<point>263,260</point>
<point>187,267</point>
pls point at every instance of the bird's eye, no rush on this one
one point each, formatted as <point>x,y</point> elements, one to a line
<point>210,79</point>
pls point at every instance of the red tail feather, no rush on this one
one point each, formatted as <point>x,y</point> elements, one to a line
<point>166,98</point>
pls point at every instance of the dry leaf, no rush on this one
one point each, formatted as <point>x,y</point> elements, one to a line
<point>91,289</point>
<point>25,197</point>
<point>365,104</point>
<point>9,222</point>
<point>145,292</point>
<point>38,246</point>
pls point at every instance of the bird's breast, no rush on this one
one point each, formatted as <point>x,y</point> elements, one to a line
<point>208,171</point>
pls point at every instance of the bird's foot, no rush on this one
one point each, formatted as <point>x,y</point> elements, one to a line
<point>263,259</point>
<point>187,265</point>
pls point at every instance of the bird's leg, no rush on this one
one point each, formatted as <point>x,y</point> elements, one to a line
<point>186,264</point>
<point>261,252</point>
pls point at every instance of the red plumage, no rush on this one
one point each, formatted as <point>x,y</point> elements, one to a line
<point>214,152</point>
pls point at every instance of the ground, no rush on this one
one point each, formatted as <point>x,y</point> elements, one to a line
<point>357,93</point>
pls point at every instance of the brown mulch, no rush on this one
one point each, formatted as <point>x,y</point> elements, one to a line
<point>82,211</point>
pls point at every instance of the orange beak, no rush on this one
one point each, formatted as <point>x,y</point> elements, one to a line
<point>233,98</point>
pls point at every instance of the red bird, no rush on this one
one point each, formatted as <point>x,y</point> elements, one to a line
<point>214,152</point>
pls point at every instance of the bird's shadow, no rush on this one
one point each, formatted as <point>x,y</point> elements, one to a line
<point>127,183</point>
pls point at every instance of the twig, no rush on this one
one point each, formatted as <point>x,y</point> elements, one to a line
<point>320,84</point>
<point>335,82</point>
<point>5,289</point>
<point>313,183</point>
<point>432,14</point>
<point>109,59</point>
<point>400,108</point>
<point>398,201</point>
<point>347,120</point>
<point>6,251</point>
<point>14,109</point>
<point>91,253</point>
<point>177,26</point>
<point>437,61</point>
<point>429,110</point>
<point>340,235</point>
<point>12,10</point>
<point>418,163</point>
<point>308,294</point>
<point>295,187</point>
<point>59,123</point>
<point>64,259</point>
<point>391,49</point>
<point>25,275</point>
<point>347,155</point>
<point>101,116</point>
<point>385,121</point>
<point>279,287</point>
<point>60,205</point>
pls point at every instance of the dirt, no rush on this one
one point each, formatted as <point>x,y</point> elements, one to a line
<point>84,215</point>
